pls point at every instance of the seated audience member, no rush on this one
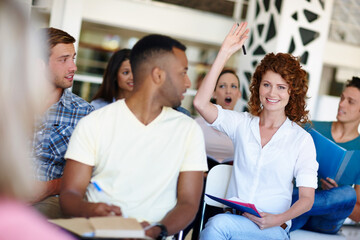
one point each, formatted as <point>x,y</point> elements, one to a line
<point>270,146</point>
<point>21,92</point>
<point>334,202</point>
<point>148,158</point>
<point>227,91</point>
<point>117,80</point>
<point>54,128</point>
<point>219,146</point>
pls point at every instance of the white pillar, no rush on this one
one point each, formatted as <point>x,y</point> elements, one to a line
<point>299,27</point>
<point>67,16</point>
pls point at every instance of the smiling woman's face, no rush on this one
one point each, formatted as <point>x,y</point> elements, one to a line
<point>227,91</point>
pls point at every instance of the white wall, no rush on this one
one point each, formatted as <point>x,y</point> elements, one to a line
<point>155,17</point>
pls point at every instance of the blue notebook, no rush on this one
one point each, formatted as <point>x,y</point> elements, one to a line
<point>242,207</point>
<point>335,161</point>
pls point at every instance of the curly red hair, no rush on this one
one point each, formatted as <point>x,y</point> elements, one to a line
<point>291,71</point>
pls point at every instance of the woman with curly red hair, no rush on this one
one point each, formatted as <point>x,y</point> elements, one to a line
<point>271,148</point>
<point>290,70</point>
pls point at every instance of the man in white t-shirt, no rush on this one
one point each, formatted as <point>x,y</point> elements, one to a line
<point>147,158</point>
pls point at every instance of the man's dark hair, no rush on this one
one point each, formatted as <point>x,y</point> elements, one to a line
<point>150,47</point>
<point>354,82</point>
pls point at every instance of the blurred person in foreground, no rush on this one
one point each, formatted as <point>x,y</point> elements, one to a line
<point>21,95</point>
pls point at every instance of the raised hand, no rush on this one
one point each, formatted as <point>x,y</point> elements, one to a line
<point>235,38</point>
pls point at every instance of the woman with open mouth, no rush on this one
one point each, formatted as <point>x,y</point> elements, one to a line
<point>219,147</point>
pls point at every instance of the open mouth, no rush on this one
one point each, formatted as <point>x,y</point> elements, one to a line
<point>228,100</point>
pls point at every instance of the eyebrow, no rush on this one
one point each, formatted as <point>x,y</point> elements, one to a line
<point>66,56</point>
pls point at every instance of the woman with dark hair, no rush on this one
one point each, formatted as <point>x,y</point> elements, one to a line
<point>117,81</point>
<point>271,148</point>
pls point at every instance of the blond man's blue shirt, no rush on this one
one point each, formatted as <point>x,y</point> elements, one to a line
<point>53,132</point>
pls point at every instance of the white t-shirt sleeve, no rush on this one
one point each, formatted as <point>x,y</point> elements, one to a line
<point>195,155</point>
<point>82,143</point>
<point>306,166</point>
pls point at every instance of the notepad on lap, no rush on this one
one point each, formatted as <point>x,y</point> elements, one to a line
<point>242,207</point>
<point>335,161</point>
<point>109,227</point>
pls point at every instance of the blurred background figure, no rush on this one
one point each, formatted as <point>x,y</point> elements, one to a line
<point>219,147</point>
<point>117,80</point>
<point>21,92</point>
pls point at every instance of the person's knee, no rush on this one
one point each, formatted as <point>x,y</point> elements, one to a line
<point>348,195</point>
<point>219,221</point>
<point>343,194</point>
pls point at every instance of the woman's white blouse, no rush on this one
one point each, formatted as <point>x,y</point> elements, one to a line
<point>264,176</point>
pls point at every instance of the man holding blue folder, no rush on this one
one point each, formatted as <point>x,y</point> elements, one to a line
<point>336,201</point>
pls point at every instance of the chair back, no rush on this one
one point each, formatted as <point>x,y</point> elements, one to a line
<point>217,182</point>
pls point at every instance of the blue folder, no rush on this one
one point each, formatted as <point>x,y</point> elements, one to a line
<point>335,161</point>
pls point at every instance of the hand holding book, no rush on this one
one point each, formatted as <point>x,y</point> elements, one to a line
<point>328,183</point>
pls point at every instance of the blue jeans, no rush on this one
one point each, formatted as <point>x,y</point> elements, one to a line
<point>236,227</point>
<point>330,209</point>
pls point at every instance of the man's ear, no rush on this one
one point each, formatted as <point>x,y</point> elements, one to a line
<point>158,75</point>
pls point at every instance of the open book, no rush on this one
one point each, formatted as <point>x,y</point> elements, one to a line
<point>335,161</point>
<point>242,207</point>
<point>104,227</point>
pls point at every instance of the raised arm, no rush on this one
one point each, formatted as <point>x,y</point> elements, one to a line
<point>76,178</point>
<point>232,43</point>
